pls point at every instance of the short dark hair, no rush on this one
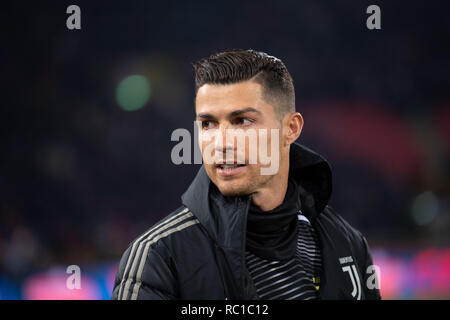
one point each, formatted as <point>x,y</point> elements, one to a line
<point>239,65</point>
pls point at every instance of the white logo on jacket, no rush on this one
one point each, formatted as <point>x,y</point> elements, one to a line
<point>354,277</point>
<point>373,281</point>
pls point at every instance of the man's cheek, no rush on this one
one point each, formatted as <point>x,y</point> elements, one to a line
<point>208,153</point>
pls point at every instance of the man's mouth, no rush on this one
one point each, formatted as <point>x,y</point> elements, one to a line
<point>226,170</point>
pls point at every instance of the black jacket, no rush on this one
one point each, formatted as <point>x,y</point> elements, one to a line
<point>197,252</point>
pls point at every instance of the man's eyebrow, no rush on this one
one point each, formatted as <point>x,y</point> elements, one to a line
<point>205,116</point>
<point>234,113</point>
<point>242,111</point>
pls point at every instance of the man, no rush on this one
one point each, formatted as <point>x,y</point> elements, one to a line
<point>242,234</point>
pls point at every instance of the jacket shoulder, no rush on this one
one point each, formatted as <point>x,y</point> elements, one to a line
<point>147,255</point>
<point>178,220</point>
<point>352,234</point>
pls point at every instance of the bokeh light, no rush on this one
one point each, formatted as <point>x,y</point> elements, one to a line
<point>425,208</point>
<point>133,92</point>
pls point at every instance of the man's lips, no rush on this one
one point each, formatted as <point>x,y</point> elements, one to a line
<point>226,170</point>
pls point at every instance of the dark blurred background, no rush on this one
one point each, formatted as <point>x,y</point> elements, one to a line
<point>87,116</point>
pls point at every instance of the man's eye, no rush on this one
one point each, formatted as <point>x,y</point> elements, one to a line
<point>244,121</point>
<point>207,124</point>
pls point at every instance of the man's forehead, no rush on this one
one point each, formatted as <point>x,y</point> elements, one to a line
<point>227,98</point>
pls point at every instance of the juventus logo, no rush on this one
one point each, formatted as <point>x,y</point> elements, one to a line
<point>351,270</point>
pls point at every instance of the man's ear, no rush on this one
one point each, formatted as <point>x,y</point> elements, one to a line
<point>292,125</point>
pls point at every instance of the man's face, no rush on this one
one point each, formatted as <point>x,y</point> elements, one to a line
<point>220,108</point>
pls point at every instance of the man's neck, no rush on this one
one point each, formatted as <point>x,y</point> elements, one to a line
<point>270,197</point>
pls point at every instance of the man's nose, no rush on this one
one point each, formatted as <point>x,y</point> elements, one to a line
<point>221,143</point>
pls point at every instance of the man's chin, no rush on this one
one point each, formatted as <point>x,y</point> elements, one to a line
<point>233,191</point>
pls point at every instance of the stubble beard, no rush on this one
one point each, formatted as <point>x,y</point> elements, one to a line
<point>250,186</point>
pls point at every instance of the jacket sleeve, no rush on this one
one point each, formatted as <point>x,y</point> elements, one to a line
<point>371,276</point>
<point>144,274</point>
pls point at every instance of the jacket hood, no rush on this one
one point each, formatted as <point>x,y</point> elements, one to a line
<point>222,216</point>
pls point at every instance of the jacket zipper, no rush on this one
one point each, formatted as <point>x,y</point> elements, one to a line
<point>226,275</point>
